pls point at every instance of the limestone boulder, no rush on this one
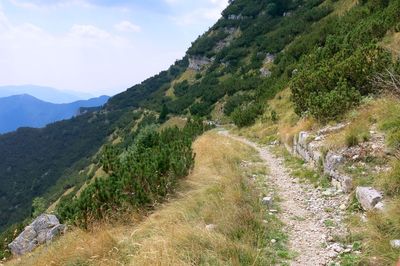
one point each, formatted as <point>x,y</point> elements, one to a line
<point>368,197</point>
<point>42,230</point>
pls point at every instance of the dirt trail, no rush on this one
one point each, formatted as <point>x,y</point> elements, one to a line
<point>312,216</point>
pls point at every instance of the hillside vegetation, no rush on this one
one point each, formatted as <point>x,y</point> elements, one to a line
<point>273,68</point>
<point>218,192</point>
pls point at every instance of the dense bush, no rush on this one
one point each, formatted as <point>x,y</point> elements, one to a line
<point>234,102</point>
<point>247,114</point>
<point>334,75</point>
<point>142,175</point>
<point>326,86</point>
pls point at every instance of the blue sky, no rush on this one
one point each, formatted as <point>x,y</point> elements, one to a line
<point>97,46</point>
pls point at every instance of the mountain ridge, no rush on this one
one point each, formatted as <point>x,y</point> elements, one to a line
<point>44,93</point>
<point>27,111</point>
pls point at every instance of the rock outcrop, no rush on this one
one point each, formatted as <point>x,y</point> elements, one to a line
<point>42,230</point>
<point>309,147</point>
<point>331,164</point>
<point>198,62</point>
<point>265,72</point>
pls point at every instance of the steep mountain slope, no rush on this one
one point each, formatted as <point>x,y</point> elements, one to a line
<point>46,94</point>
<point>325,53</point>
<point>27,111</point>
<point>46,161</point>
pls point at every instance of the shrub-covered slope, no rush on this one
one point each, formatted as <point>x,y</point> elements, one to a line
<point>327,52</point>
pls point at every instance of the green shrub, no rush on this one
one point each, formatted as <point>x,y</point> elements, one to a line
<point>140,176</point>
<point>234,102</point>
<point>246,115</point>
<point>330,105</point>
<point>38,206</point>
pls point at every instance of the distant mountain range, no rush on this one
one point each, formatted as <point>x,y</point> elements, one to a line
<point>46,94</point>
<point>27,111</point>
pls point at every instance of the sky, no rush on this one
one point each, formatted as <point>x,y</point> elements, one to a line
<point>97,46</point>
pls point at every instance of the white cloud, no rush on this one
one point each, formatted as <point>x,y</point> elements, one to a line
<point>210,11</point>
<point>49,4</point>
<point>84,58</point>
<point>126,26</point>
<point>89,31</point>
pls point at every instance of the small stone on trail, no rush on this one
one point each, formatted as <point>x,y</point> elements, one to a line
<point>267,201</point>
<point>336,247</point>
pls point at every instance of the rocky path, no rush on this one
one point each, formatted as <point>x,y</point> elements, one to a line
<point>313,217</point>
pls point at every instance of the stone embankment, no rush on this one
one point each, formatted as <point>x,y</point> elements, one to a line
<point>312,149</point>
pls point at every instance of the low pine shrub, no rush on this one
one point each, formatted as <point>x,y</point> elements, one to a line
<point>139,177</point>
<point>246,115</point>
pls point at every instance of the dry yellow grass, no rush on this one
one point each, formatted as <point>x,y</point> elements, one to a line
<point>78,247</point>
<point>216,192</point>
<point>174,121</point>
<point>188,75</point>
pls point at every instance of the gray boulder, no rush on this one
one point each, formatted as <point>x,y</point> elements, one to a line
<point>42,230</point>
<point>368,197</point>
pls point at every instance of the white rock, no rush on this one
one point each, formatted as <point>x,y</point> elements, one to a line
<point>379,206</point>
<point>336,247</point>
<point>211,227</point>
<point>395,243</point>
<point>318,138</point>
<point>368,197</point>
<point>267,201</point>
<point>347,250</point>
<point>273,241</point>
<point>363,218</point>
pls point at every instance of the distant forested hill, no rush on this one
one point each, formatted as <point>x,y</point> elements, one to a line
<point>27,111</point>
